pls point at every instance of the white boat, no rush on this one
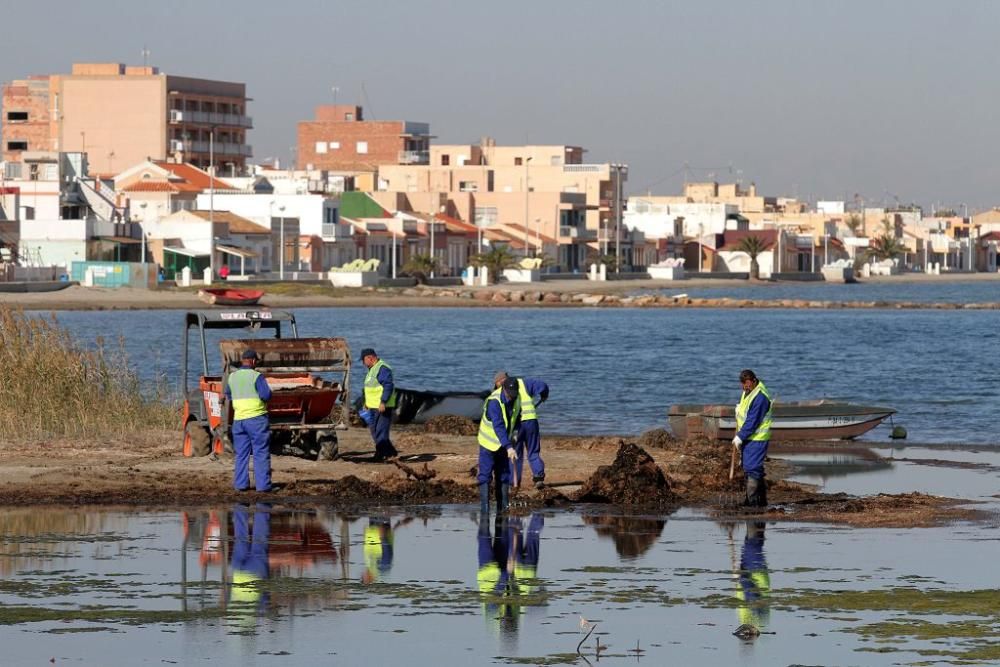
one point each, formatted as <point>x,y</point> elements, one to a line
<point>794,420</point>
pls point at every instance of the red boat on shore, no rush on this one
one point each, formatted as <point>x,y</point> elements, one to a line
<point>230,297</point>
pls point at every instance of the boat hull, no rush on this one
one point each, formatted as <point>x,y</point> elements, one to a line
<point>789,421</point>
<point>230,297</point>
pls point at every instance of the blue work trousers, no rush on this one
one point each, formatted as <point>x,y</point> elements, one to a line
<point>493,464</point>
<point>529,441</point>
<point>379,428</point>
<point>754,453</point>
<point>252,436</point>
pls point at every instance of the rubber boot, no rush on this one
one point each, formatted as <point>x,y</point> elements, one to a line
<point>762,493</point>
<point>503,498</point>
<point>753,490</point>
<point>484,499</point>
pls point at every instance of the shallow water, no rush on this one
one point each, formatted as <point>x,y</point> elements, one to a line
<point>617,371</point>
<point>109,588</point>
<point>925,292</point>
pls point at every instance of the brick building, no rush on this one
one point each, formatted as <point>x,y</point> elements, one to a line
<point>341,139</point>
<point>121,115</point>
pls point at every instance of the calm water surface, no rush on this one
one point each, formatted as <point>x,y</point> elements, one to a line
<point>259,585</point>
<point>978,291</point>
<point>617,371</point>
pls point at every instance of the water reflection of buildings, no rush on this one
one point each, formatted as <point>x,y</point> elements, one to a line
<point>33,539</point>
<point>633,536</point>
<point>507,578</point>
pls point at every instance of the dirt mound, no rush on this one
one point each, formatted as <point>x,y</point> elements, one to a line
<point>702,470</point>
<point>633,479</point>
<point>633,536</point>
<point>658,438</point>
<point>882,511</point>
<point>355,491</point>
<point>452,425</point>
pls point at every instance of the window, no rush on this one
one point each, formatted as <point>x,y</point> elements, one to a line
<point>334,145</point>
<point>348,116</point>
<point>445,160</point>
<point>17,145</point>
<point>320,146</point>
<point>362,147</point>
<point>556,160</point>
<point>17,116</point>
<point>468,186</point>
<point>517,162</point>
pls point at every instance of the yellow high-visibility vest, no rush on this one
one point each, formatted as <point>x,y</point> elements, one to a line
<point>243,388</point>
<point>373,388</point>
<point>528,410</point>
<point>763,431</point>
<point>487,434</point>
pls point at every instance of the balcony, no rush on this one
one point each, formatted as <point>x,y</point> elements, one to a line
<point>414,157</point>
<point>209,118</point>
<point>578,168</point>
<point>581,233</point>
<point>221,148</point>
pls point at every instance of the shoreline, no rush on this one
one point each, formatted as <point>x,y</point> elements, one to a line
<point>147,470</point>
<point>553,294</point>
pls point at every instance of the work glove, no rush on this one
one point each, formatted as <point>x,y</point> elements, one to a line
<point>512,455</point>
<point>737,442</point>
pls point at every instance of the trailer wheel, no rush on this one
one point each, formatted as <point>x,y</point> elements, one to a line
<point>329,450</point>
<point>197,441</point>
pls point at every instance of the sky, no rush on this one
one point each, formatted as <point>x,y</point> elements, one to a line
<point>889,100</point>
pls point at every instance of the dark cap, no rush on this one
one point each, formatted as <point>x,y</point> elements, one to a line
<point>510,385</point>
<point>366,352</point>
<point>499,378</point>
<point>249,353</point>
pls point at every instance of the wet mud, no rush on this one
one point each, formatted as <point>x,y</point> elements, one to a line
<point>148,470</point>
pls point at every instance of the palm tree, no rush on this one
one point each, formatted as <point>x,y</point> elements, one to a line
<point>753,246</point>
<point>420,267</point>
<point>496,259</point>
<point>885,246</point>
<point>853,223</point>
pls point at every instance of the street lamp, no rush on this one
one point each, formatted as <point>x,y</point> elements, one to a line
<point>142,230</point>
<point>211,199</point>
<point>527,161</point>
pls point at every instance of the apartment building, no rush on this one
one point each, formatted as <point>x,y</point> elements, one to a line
<point>547,190</point>
<point>121,115</point>
<point>339,138</point>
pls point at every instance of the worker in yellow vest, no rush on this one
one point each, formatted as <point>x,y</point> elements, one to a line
<point>753,424</point>
<point>533,393</point>
<point>501,415</point>
<point>380,401</point>
<point>248,392</point>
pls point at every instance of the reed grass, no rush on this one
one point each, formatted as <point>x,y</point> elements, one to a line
<point>53,386</point>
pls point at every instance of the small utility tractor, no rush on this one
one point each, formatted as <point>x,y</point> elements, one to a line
<point>306,410</point>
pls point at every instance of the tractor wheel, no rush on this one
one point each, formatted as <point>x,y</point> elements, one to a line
<point>329,450</point>
<point>197,441</point>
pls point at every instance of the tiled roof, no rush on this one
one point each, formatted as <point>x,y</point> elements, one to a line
<point>237,224</point>
<point>151,186</point>
<point>192,178</point>
<point>731,238</point>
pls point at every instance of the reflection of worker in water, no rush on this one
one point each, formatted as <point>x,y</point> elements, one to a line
<point>496,568</point>
<point>250,557</point>
<point>753,588</point>
<point>525,549</point>
<point>378,549</point>
<point>753,421</point>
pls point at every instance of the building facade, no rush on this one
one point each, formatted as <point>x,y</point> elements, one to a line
<point>339,138</point>
<point>122,115</point>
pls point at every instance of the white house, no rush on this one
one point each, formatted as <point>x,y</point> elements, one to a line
<point>660,219</point>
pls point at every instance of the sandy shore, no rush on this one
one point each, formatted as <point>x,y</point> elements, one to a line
<point>148,470</point>
<point>556,293</point>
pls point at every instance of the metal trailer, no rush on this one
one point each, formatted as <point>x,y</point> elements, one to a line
<point>305,410</point>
